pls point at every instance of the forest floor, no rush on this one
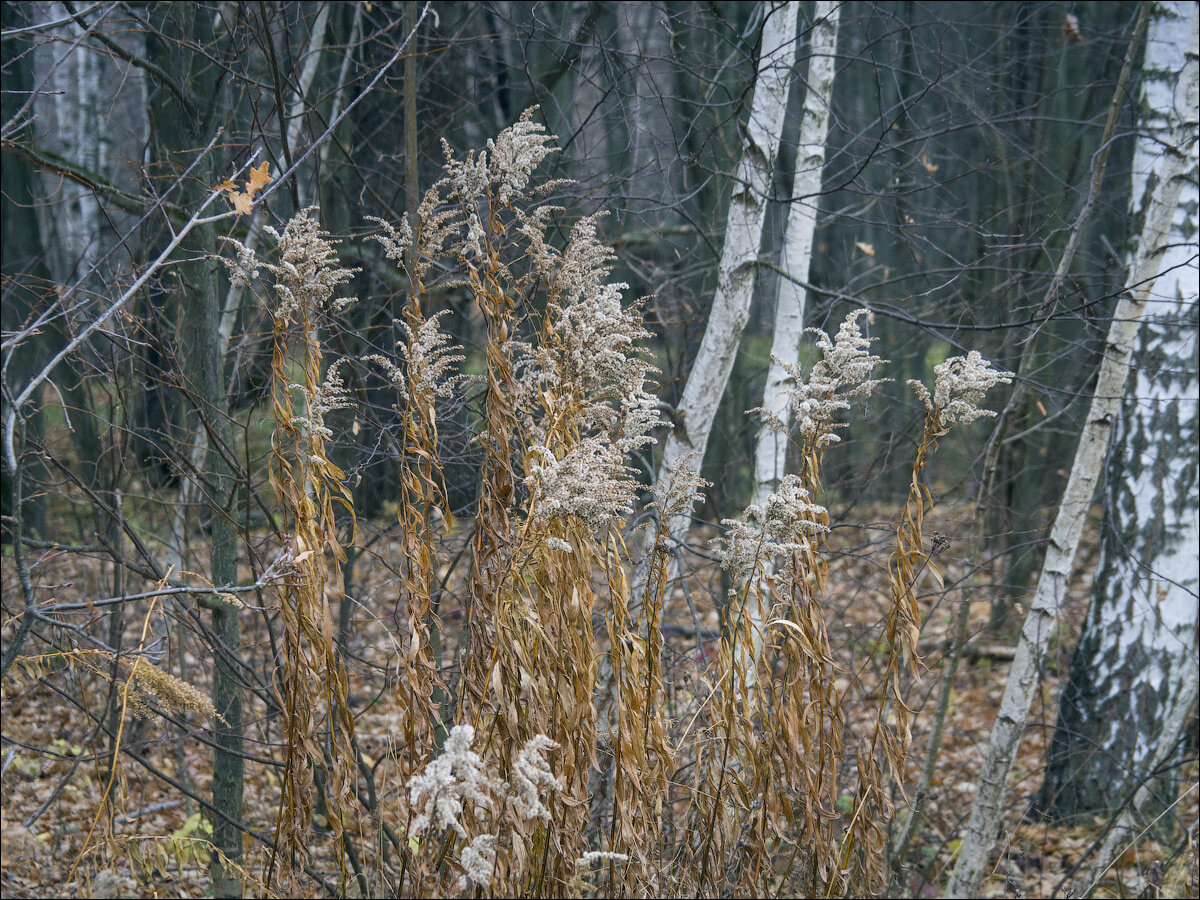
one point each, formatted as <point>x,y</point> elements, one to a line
<point>60,837</point>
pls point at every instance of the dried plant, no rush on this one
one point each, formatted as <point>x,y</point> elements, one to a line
<point>313,683</point>
<point>773,773</point>
<point>424,375</point>
<point>502,807</point>
<point>959,387</point>
<point>564,403</point>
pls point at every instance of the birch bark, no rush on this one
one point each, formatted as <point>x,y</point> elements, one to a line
<point>1165,169</point>
<point>1139,638</point>
<point>730,310</point>
<point>739,255</point>
<point>770,456</point>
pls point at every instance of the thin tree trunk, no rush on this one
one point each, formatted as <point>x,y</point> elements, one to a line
<point>201,369</point>
<point>738,266</point>
<point>770,456</point>
<point>730,310</point>
<point>1042,621</point>
<point>991,455</point>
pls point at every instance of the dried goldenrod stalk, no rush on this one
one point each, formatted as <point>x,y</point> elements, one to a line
<point>456,786</point>
<point>148,683</point>
<point>565,400</point>
<point>424,375</point>
<point>774,767</point>
<point>959,387</point>
<point>313,681</point>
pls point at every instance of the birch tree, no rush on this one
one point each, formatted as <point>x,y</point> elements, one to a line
<point>739,255</point>
<point>1139,639</point>
<point>770,455</point>
<point>730,311</point>
<point>1163,159</point>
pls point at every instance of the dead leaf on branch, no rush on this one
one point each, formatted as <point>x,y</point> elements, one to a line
<point>243,201</point>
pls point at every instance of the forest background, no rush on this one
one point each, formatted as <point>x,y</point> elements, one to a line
<point>497,578</point>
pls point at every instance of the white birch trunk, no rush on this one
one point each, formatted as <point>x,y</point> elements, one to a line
<point>730,310</point>
<point>1139,639</point>
<point>68,124</point>
<point>737,269</point>
<point>770,456</point>
<point>1169,170</point>
<point>316,43</point>
<point>1181,709</point>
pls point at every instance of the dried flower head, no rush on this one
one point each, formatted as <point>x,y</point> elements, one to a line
<point>319,402</point>
<point>478,862</point>
<point>505,165</point>
<point>841,375</point>
<point>244,269</point>
<point>683,487</point>
<point>784,523</point>
<point>601,856</point>
<point>959,385</point>
<point>307,273</point>
<point>531,772</point>
<point>430,356</point>
<point>591,482</point>
<point>150,683</point>
<point>590,361</point>
<point>396,243</point>
<point>447,781</point>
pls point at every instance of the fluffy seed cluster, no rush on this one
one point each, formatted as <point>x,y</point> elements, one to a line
<point>244,269</point>
<point>308,272</point>
<point>498,175</point>
<point>784,523</point>
<point>319,402</point>
<point>151,683</point>
<point>531,772</point>
<point>959,385</point>
<point>447,781</point>
<point>600,856</point>
<point>842,374</point>
<point>590,359</point>
<point>478,861</point>
<point>506,164</point>
<point>429,358</point>
<point>396,242</point>
<point>590,482</point>
<point>458,776</point>
<point>684,488</point>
